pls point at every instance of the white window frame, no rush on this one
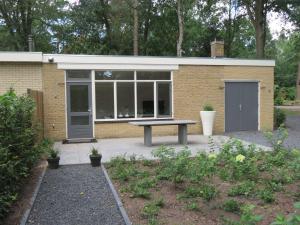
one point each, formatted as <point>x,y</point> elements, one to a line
<point>135,81</point>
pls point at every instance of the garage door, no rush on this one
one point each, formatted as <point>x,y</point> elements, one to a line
<point>241,106</point>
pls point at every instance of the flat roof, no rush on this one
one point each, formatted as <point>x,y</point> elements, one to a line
<point>92,60</point>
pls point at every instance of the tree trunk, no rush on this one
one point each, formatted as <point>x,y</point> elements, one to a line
<point>258,16</point>
<point>180,28</point>
<point>135,28</point>
<point>109,38</point>
<point>260,28</point>
<point>147,25</point>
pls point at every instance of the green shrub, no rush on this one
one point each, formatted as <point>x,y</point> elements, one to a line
<point>239,161</point>
<point>277,139</point>
<point>174,166</point>
<point>192,206</point>
<point>202,167</point>
<point>208,192</point>
<point>19,149</point>
<point>150,210</point>
<point>140,189</point>
<point>279,117</point>
<point>247,217</point>
<point>267,195</point>
<point>121,169</point>
<point>231,206</point>
<point>208,107</point>
<point>246,188</point>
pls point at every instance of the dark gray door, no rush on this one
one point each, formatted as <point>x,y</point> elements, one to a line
<point>79,110</point>
<point>241,106</point>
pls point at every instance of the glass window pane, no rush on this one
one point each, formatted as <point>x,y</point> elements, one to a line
<point>79,95</point>
<point>114,75</point>
<point>125,99</point>
<point>145,99</point>
<point>153,75</point>
<point>78,74</point>
<point>80,120</point>
<point>104,100</point>
<point>164,99</point>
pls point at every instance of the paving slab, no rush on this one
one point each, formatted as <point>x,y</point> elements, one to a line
<point>75,195</point>
<point>293,128</point>
<point>79,153</point>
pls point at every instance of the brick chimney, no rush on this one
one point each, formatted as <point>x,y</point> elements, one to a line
<point>217,49</point>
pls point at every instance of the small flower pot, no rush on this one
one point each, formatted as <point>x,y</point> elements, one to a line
<point>53,163</point>
<point>95,160</point>
<point>207,118</point>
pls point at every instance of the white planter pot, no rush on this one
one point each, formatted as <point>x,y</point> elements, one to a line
<point>207,118</point>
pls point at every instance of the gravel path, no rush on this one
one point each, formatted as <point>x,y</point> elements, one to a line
<point>293,141</point>
<point>75,195</point>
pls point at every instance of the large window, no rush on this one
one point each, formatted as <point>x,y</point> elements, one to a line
<point>125,95</point>
<point>105,100</point>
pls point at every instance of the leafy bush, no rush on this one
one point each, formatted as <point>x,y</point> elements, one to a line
<point>141,187</point>
<point>18,148</point>
<point>192,206</point>
<point>279,117</point>
<point>231,206</point>
<point>208,107</point>
<point>245,188</point>
<point>277,139</point>
<point>151,210</point>
<point>267,195</point>
<point>204,166</point>
<point>239,162</point>
<point>121,169</point>
<point>282,94</point>
<point>247,217</point>
<point>173,166</point>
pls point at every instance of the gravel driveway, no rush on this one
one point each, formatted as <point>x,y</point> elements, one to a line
<point>75,195</point>
<point>293,141</point>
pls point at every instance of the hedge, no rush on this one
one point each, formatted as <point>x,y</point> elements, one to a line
<point>18,148</point>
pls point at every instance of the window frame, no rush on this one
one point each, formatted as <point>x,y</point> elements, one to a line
<point>135,81</point>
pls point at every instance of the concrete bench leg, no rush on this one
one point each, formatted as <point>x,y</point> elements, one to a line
<point>182,134</point>
<point>148,136</point>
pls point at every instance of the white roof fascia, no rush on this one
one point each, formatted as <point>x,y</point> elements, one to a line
<point>90,66</point>
<point>21,57</point>
<point>144,60</point>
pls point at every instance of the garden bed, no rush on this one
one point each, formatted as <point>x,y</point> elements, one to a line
<point>23,201</point>
<point>241,185</point>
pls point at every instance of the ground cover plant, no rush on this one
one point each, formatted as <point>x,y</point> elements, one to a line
<point>241,185</point>
<point>19,150</point>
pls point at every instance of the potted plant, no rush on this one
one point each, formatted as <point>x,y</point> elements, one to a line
<point>95,157</point>
<point>53,158</point>
<point>207,117</point>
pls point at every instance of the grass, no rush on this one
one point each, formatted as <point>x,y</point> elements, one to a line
<point>255,181</point>
<point>289,112</point>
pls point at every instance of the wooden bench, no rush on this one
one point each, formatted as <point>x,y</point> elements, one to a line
<point>182,129</point>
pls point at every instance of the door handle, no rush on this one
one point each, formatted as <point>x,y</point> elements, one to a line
<point>241,107</point>
<point>89,110</point>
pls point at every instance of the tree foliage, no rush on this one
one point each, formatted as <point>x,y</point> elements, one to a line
<point>158,28</point>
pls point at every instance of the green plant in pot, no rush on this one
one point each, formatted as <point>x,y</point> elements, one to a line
<point>95,157</point>
<point>207,117</point>
<point>53,158</point>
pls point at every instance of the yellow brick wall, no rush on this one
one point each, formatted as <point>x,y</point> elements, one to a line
<point>20,77</point>
<point>54,102</point>
<point>194,86</point>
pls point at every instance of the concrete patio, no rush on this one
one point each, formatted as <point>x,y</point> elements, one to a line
<point>79,153</point>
